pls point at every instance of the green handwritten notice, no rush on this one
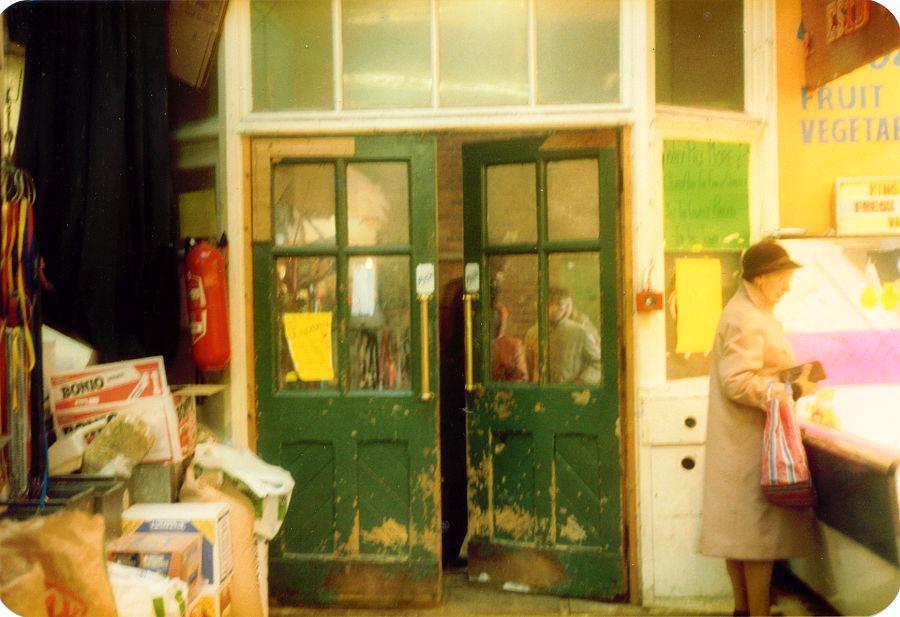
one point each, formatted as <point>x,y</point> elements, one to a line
<point>705,195</point>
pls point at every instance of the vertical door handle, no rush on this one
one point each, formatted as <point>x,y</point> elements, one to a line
<point>427,394</point>
<point>471,386</point>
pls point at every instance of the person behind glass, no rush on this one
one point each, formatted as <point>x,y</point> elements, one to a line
<point>574,343</point>
<point>749,350</point>
<point>507,355</point>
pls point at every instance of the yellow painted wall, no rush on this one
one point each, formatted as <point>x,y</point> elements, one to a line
<point>849,127</point>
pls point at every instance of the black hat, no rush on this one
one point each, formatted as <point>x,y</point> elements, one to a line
<point>764,257</point>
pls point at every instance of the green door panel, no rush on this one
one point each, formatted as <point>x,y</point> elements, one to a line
<point>363,527</point>
<point>545,467</point>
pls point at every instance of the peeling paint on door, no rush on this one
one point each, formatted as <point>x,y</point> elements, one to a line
<point>390,534</point>
<point>503,404</point>
<point>478,481</point>
<point>513,521</point>
<point>351,546</point>
<point>581,398</point>
<point>572,531</point>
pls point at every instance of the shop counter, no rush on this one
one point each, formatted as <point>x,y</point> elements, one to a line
<point>855,564</point>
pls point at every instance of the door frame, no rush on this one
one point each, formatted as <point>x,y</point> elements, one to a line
<point>491,149</point>
<point>253,147</point>
<point>349,577</point>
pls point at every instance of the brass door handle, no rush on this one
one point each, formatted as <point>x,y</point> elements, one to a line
<point>427,394</point>
<point>471,386</point>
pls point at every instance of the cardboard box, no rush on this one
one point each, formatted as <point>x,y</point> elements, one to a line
<point>211,520</point>
<point>193,30</point>
<point>158,412</point>
<point>175,555</point>
<point>79,398</point>
<point>107,386</point>
<point>184,397</point>
<point>213,601</point>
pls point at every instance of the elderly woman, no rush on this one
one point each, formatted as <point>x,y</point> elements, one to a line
<point>750,349</point>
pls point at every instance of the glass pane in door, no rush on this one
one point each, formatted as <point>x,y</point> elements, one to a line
<point>514,301</point>
<point>573,313</point>
<point>306,302</point>
<point>379,329</point>
<point>573,200</point>
<point>511,203</point>
<point>303,199</point>
<point>378,203</point>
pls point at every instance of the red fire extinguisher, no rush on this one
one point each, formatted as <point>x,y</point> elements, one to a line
<point>207,298</point>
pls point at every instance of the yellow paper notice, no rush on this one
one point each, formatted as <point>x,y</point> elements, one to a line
<point>309,341</point>
<point>698,289</point>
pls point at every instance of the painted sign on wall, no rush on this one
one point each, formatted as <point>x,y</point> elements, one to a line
<point>705,182</point>
<point>848,127</point>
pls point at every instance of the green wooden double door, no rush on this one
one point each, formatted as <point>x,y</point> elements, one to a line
<point>345,309</point>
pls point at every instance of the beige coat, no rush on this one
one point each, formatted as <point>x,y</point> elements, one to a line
<point>738,522</point>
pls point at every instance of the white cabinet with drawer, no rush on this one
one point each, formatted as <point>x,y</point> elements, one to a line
<point>673,433</point>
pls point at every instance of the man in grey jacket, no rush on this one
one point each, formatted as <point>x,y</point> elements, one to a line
<point>574,343</point>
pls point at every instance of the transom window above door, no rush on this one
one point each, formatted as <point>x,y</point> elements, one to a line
<point>417,54</point>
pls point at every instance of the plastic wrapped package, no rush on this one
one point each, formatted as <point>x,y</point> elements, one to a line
<point>267,486</point>
<point>143,593</point>
<point>119,446</point>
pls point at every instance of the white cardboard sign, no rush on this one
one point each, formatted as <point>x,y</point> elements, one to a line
<point>425,279</point>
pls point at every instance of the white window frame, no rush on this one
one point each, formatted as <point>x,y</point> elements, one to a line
<point>434,118</point>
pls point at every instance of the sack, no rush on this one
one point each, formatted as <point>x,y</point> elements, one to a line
<point>784,475</point>
<point>246,600</point>
<point>68,547</point>
<point>21,587</point>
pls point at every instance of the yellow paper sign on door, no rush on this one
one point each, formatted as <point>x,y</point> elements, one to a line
<point>309,342</point>
<point>698,289</point>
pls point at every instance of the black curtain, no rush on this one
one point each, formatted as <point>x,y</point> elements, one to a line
<point>94,134</point>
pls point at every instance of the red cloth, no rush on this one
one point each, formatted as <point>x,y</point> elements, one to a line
<point>508,359</point>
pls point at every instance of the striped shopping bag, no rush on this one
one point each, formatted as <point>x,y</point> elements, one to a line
<point>784,476</point>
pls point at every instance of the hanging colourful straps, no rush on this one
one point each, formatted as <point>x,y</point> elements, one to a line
<point>17,292</point>
<point>18,256</point>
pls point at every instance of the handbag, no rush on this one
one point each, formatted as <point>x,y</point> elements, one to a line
<point>784,477</point>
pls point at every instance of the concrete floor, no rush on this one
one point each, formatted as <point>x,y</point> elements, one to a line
<point>462,597</point>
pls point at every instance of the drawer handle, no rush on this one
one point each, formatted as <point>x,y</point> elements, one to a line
<point>690,422</point>
<point>688,462</point>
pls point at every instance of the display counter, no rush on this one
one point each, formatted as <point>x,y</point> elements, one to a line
<point>843,310</point>
<point>855,564</point>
